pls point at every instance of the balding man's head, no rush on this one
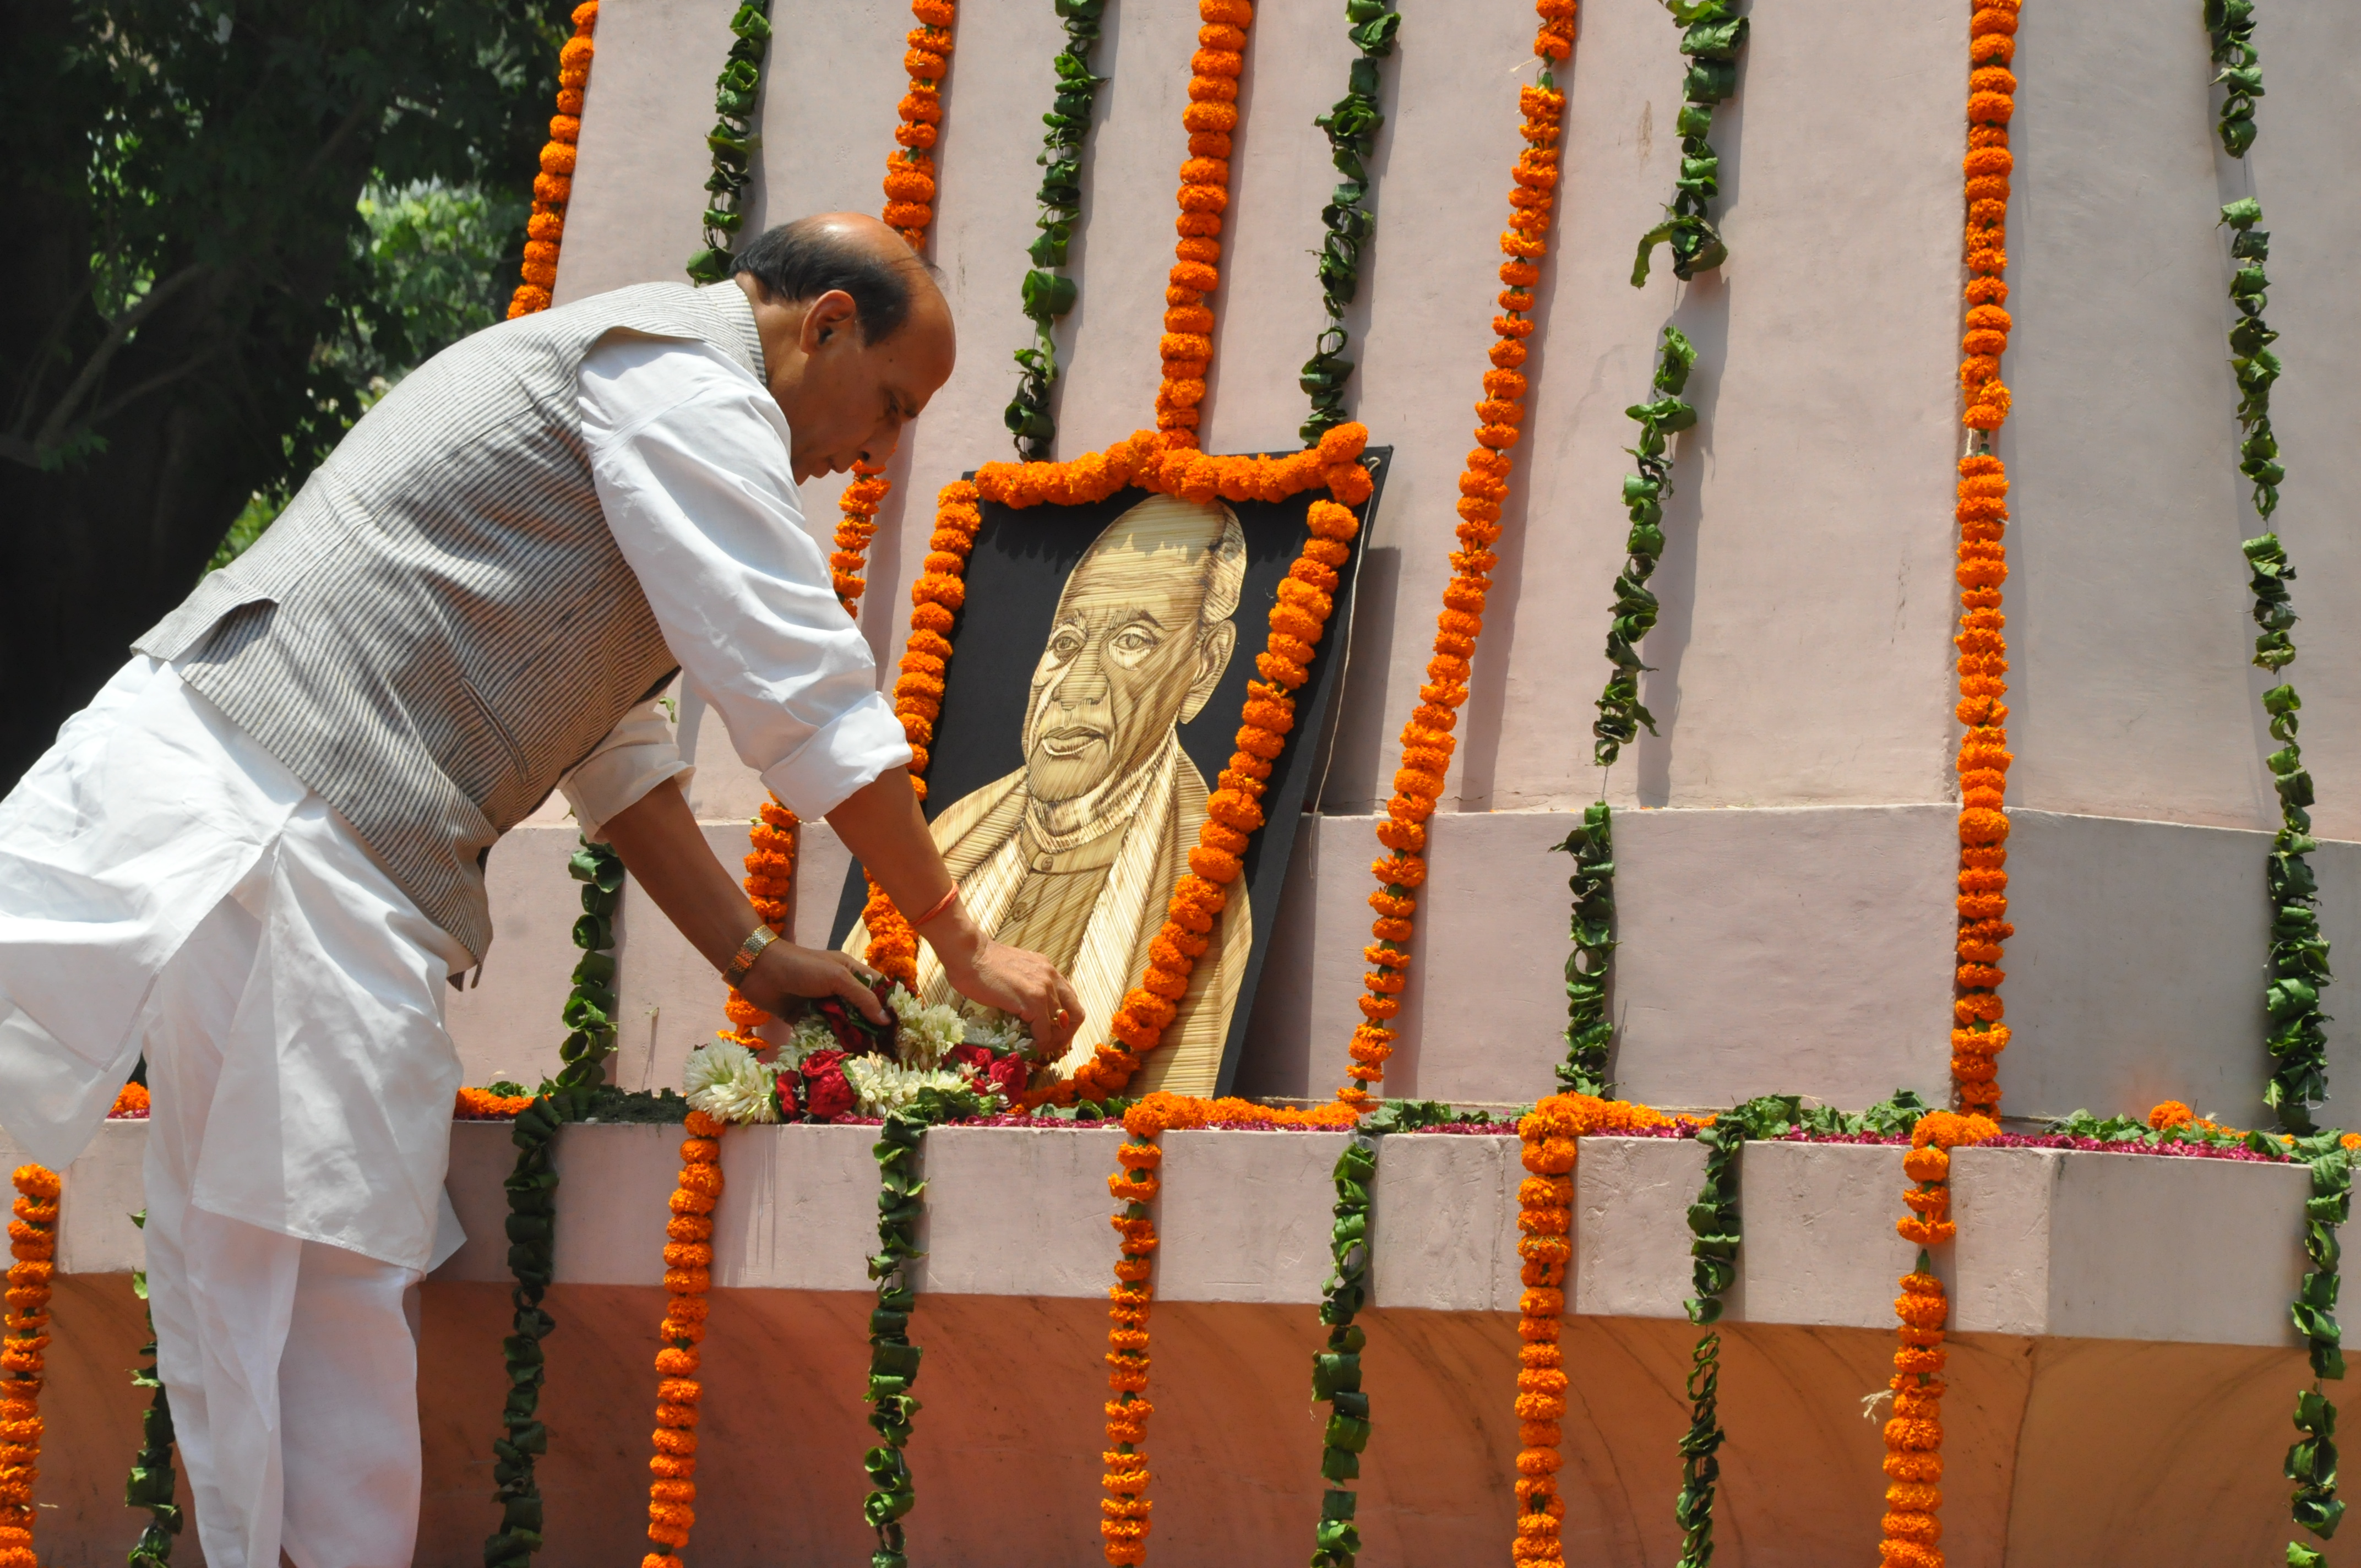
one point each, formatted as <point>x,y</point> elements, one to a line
<point>856,336</point>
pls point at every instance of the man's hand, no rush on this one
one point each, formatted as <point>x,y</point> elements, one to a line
<point>785,973</point>
<point>1015,981</point>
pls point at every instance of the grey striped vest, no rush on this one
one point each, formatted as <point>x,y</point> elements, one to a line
<point>439,624</point>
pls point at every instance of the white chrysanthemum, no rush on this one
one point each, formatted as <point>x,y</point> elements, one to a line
<point>999,1033</point>
<point>729,1084</point>
<point>926,1032</point>
<point>880,1087</point>
<point>811,1034</point>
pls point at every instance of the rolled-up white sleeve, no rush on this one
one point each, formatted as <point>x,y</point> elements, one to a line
<point>689,454</point>
<point>637,755</point>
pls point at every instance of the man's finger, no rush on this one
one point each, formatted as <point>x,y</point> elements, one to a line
<point>1070,1013</point>
<point>848,986</point>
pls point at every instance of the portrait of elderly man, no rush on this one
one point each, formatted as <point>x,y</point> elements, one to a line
<point>1074,855</point>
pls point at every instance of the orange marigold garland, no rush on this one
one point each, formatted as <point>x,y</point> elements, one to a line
<point>1914,1433</point>
<point>1124,1523</point>
<point>688,1263</point>
<point>1427,741</point>
<point>935,601</point>
<point>555,184</point>
<point>1978,1035</point>
<point>33,1243</point>
<point>769,874</point>
<point>1544,1225</point>
<point>1187,345</point>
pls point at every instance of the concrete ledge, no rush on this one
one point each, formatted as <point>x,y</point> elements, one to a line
<point>2053,1243</point>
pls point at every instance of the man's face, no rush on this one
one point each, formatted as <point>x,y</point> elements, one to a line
<point>1123,658</point>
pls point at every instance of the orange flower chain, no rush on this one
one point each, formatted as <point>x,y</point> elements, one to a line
<point>1978,1035</point>
<point>1211,119</point>
<point>1551,1135</point>
<point>555,184</point>
<point>1427,742</point>
<point>33,1244</point>
<point>1124,1523</point>
<point>910,171</point>
<point>1914,1433</point>
<point>910,207</point>
<point>769,874</point>
<point>688,1265</point>
<point>935,601</point>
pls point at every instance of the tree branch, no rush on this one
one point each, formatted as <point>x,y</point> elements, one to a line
<point>117,334</point>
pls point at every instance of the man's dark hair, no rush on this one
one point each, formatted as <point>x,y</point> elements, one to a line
<point>808,257</point>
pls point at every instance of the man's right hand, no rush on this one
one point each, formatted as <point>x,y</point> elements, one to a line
<point>1018,982</point>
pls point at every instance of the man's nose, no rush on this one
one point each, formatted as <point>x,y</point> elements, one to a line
<point>1084,683</point>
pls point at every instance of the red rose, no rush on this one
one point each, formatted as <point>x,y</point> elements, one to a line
<point>828,1094</point>
<point>783,1096</point>
<point>974,1058</point>
<point>1008,1076</point>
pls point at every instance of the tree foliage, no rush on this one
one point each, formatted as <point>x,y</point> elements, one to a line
<point>197,298</point>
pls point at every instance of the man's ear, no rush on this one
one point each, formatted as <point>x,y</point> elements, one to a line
<point>827,318</point>
<point>1214,650</point>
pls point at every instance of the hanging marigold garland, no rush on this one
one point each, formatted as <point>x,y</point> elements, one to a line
<point>909,207</point>
<point>33,1244</point>
<point>935,601</point>
<point>1187,345</point>
<point>1978,1035</point>
<point>1914,1433</point>
<point>554,186</point>
<point>1426,739</point>
<point>1550,1136</point>
<point>688,1265</point>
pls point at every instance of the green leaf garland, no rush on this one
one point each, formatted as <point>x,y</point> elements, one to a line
<point>1048,293</point>
<point>589,1013</point>
<point>2232,25</point>
<point>1715,1234</point>
<point>1712,37</point>
<point>1350,124</point>
<point>151,1485</point>
<point>2298,972</point>
<point>893,1358</point>
<point>735,95</point>
<point>1621,716</point>
<point>532,1228</point>
<point>2312,1460</point>
<point>1589,1031</point>
<point>1336,1369</point>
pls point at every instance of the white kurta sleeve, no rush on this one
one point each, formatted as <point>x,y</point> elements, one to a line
<point>637,755</point>
<point>689,454</point>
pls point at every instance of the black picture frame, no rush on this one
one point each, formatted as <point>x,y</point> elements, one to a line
<point>1018,569</point>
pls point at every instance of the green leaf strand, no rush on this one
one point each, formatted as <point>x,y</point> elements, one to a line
<point>589,1010</point>
<point>736,92</point>
<point>1712,37</point>
<point>1336,1366</point>
<point>152,1484</point>
<point>1351,126</point>
<point>1588,1030</point>
<point>893,1356</point>
<point>1048,293</point>
<point>1620,714</point>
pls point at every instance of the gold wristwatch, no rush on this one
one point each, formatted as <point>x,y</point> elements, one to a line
<point>743,961</point>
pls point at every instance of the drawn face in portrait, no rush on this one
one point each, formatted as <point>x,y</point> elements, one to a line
<point>1075,854</point>
<point>1140,641</point>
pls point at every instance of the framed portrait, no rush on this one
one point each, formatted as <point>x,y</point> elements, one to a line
<point>1096,694</point>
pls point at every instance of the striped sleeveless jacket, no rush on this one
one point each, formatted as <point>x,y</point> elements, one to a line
<point>439,624</point>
